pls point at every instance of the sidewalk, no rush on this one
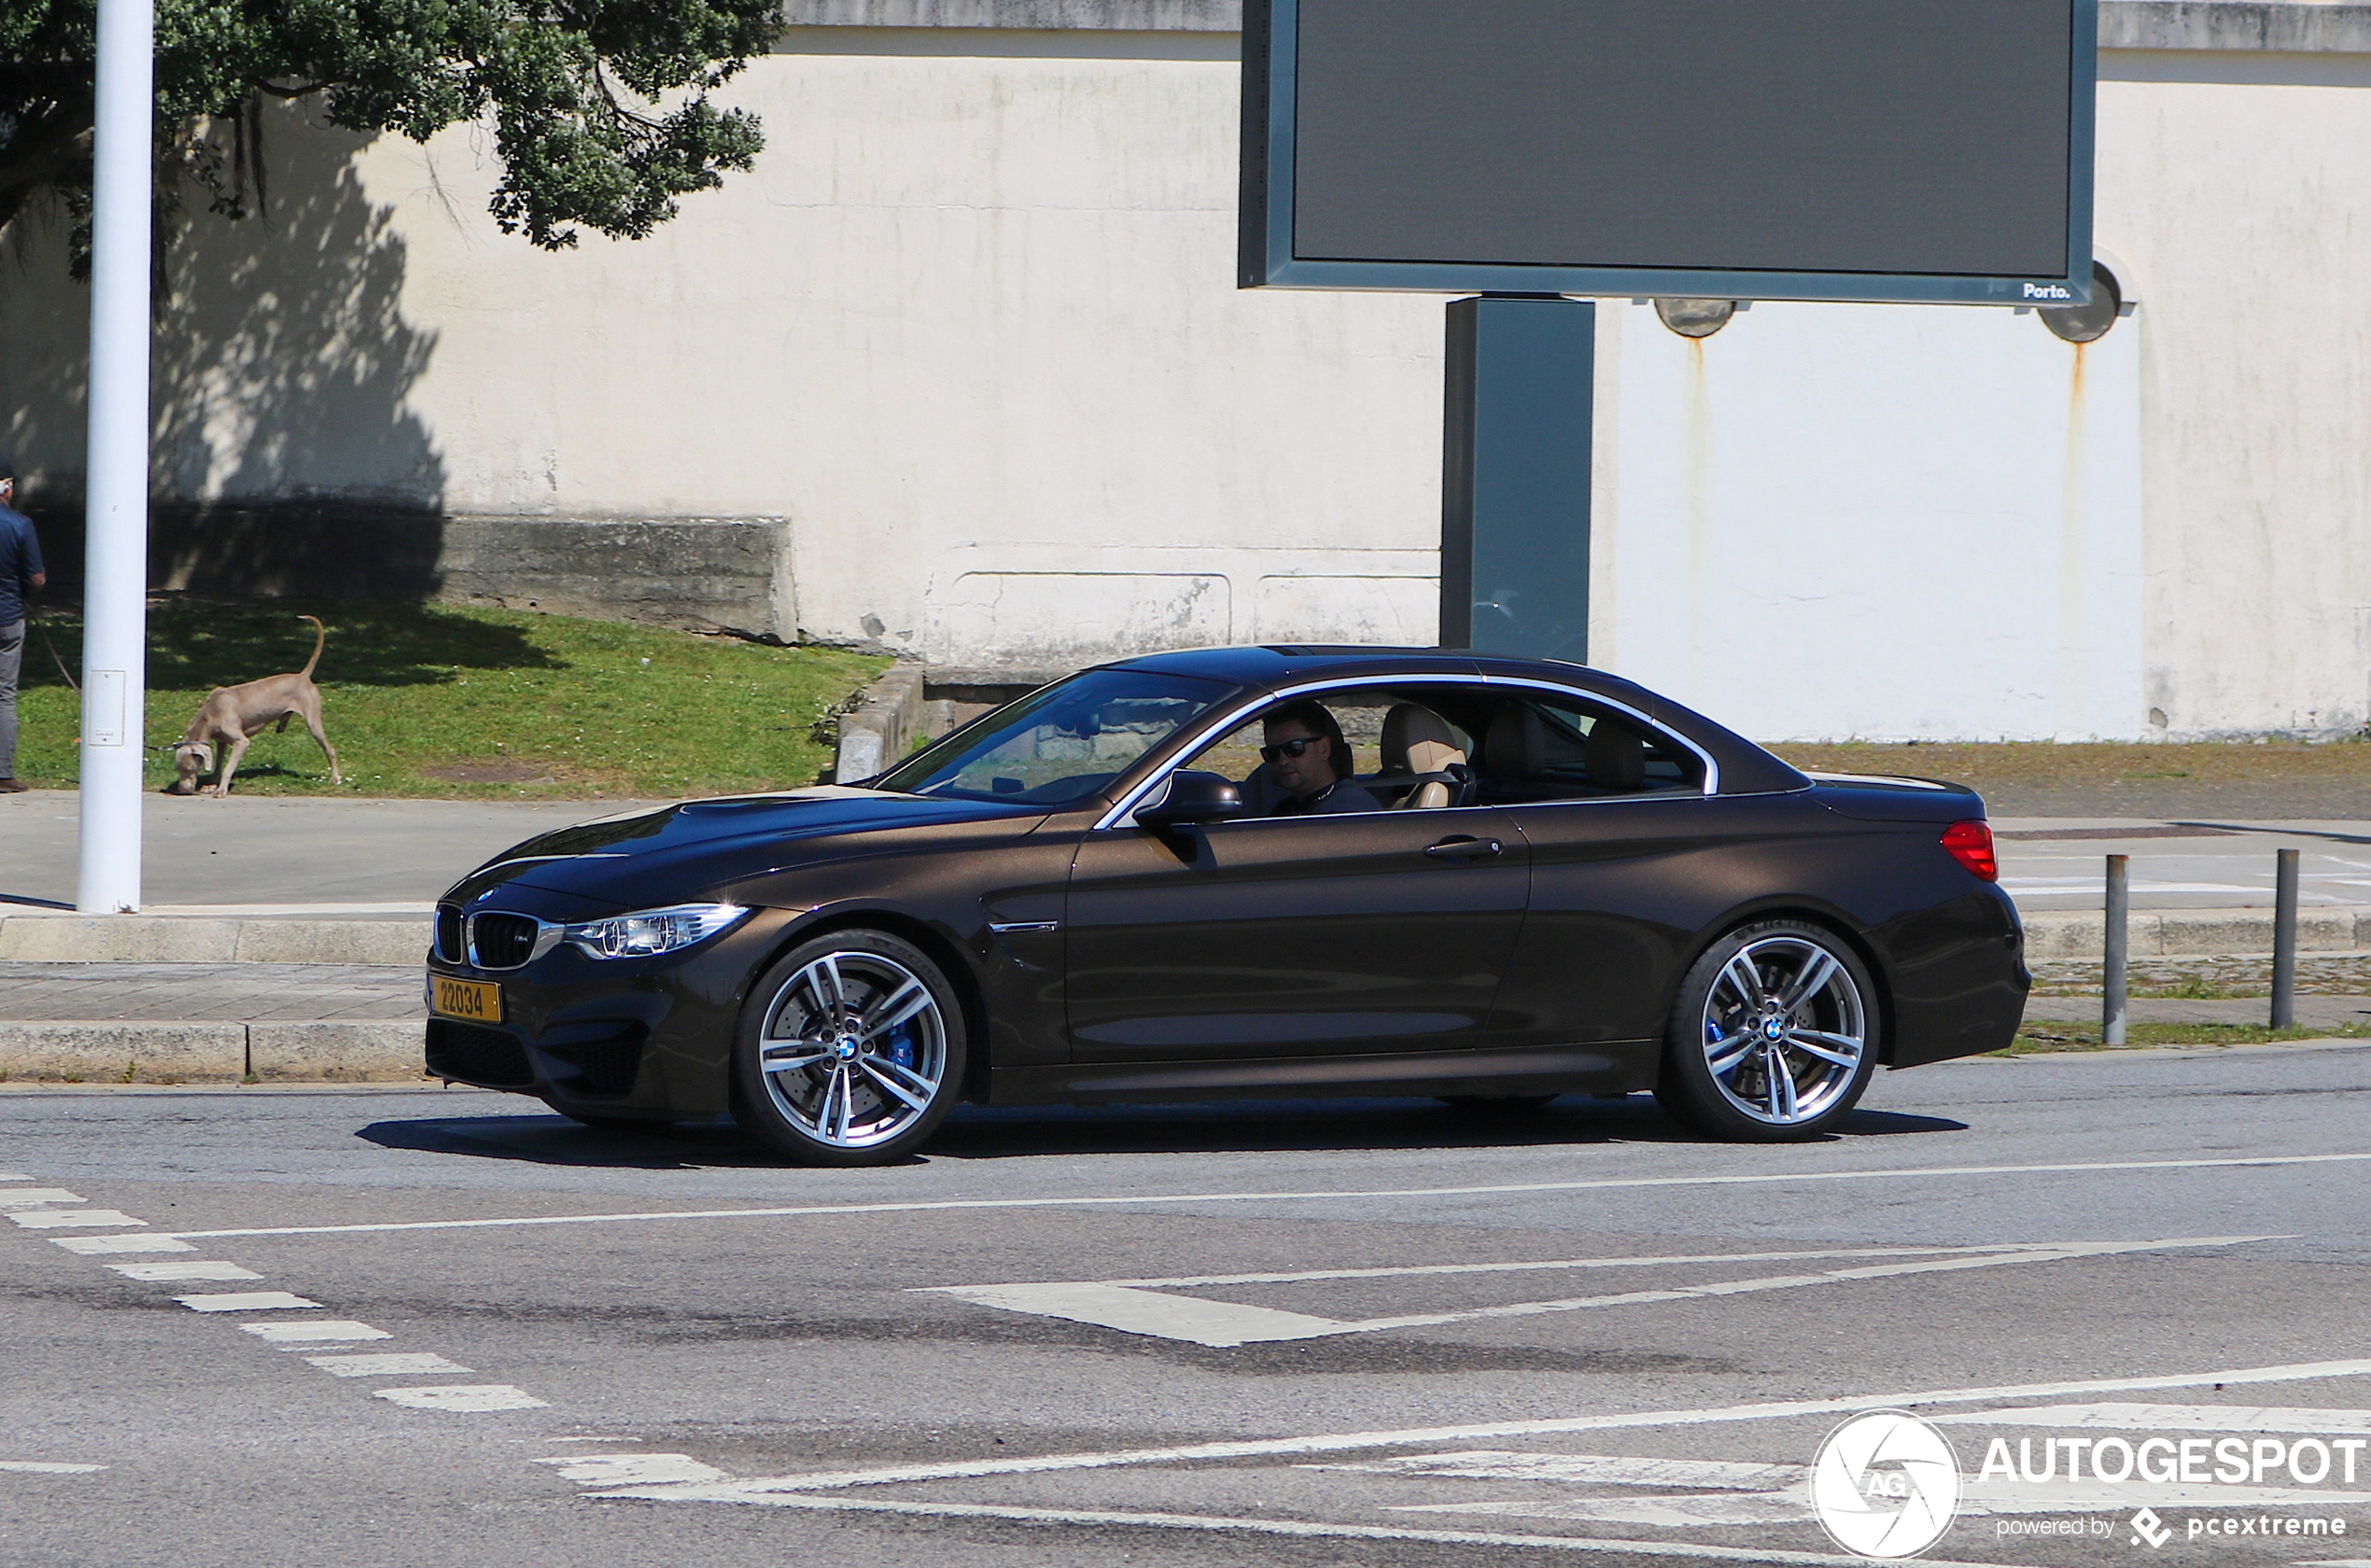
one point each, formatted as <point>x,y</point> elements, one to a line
<point>273,857</point>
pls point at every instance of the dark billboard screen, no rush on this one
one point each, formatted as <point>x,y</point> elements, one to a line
<point>1915,149</point>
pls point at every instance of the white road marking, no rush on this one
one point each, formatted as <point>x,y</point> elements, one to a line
<point>1186,1282</point>
<point>35,1198</point>
<point>1410,1438</point>
<point>44,1467</point>
<point>1369,1194</point>
<point>1515,1465</point>
<point>2173,1418</point>
<point>409,1363</point>
<point>293,1334</point>
<point>1224,1326</point>
<point>165,1273</point>
<point>55,1219</point>
<point>1303,1529</point>
<point>246,1301</point>
<point>92,1246</point>
<point>1682,1512</point>
<point>14,1176</point>
<point>1976,1499</point>
<point>632,1468</point>
<point>463,1396</point>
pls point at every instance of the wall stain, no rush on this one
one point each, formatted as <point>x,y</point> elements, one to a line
<point>2074,505</point>
<point>1697,453</point>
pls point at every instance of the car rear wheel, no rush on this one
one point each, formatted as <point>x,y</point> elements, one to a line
<point>850,1051</point>
<point>1772,1037</point>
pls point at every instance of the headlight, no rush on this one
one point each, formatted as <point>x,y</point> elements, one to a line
<point>648,932</point>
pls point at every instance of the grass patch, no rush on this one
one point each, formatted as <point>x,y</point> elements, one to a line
<point>2035,1039</point>
<point>458,702</point>
<point>2049,764</point>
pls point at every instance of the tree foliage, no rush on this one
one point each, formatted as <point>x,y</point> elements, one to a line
<point>601,110</point>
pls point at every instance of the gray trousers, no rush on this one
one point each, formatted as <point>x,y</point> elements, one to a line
<point>11,661</point>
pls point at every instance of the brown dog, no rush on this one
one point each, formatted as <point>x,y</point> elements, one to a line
<point>231,716</point>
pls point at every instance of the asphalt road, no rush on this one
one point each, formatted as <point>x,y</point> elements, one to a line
<point>661,1349</point>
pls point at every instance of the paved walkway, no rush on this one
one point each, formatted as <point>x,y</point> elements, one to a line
<point>207,993</point>
<point>388,858</point>
<point>367,858</point>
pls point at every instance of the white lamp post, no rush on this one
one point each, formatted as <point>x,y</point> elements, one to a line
<point>115,609</point>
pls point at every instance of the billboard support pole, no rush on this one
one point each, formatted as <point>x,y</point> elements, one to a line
<point>116,527</point>
<point>1515,475</point>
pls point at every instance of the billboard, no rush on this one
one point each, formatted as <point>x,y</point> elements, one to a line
<point>1911,150</point>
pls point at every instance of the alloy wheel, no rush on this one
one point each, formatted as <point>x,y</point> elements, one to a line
<point>853,1050</point>
<point>1784,1029</point>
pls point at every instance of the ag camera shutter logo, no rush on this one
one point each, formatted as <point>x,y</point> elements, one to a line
<point>1886,1485</point>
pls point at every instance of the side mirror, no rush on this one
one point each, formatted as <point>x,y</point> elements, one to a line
<point>1192,799</point>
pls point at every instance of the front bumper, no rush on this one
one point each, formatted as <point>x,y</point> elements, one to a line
<point>613,1037</point>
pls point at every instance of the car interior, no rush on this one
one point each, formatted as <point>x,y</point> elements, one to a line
<point>1532,748</point>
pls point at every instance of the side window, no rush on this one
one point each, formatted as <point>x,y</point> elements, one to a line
<point>1403,749</point>
<point>1563,749</point>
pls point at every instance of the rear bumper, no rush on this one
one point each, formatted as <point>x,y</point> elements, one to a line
<point>1959,978</point>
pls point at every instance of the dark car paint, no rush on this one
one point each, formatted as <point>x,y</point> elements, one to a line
<point>1590,915</point>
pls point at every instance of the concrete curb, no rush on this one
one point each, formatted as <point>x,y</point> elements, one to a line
<point>888,714</point>
<point>156,1053</point>
<point>2080,933</point>
<point>190,939</point>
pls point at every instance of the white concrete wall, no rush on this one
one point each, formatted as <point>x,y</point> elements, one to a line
<point>1888,520</point>
<point>971,325</point>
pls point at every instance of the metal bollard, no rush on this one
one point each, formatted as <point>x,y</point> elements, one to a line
<point>2284,943</point>
<point>2112,989</point>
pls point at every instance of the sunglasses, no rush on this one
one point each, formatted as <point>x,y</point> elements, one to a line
<point>1293,748</point>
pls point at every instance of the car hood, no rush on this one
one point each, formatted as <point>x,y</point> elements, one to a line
<point>646,858</point>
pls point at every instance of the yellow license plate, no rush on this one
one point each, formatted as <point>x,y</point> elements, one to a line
<point>478,1001</point>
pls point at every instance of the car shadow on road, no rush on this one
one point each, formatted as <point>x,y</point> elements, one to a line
<point>1261,1126</point>
<point>987,1133</point>
<point>557,1140</point>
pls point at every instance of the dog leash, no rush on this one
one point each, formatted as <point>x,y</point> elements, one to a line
<point>44,629</point>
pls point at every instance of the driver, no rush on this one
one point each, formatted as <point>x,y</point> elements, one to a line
<point>1305,765</point>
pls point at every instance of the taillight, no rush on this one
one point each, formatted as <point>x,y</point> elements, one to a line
<point>1970,844</point>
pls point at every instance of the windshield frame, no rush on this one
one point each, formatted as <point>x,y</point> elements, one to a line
<point>911,774</point>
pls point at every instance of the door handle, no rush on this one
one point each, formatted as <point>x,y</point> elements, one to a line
<point>1464,848</point>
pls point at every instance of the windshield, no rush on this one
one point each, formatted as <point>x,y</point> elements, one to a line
<point>1061,745</point>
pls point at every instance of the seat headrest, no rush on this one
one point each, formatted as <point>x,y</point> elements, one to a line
<point>1517,744</point>
<point>1615,755</point>
<point>1418,740</point>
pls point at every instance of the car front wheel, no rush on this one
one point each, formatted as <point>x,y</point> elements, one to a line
<point>851,1051</point>
<point>1772,1037</point>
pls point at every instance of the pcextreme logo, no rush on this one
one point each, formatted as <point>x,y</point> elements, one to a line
<point>1885,1484</point>
<point>2048,291</point>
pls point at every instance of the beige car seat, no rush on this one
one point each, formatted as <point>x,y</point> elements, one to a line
<point>1417,740</point>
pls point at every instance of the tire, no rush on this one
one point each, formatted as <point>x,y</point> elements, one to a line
<point>850,1051</point>
<point>1772,1037</point>
<point>1497,1105</point>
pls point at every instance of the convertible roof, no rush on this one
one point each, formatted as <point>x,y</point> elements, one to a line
<point>1744,767</point>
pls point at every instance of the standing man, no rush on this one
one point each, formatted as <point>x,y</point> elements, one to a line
<point>22,574</point>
